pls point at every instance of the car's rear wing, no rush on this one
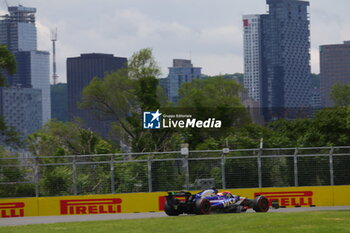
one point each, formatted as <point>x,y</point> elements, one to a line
<point>180,197</point>
<point>180,194</point>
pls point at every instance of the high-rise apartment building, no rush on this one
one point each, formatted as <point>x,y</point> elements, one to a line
<point>181,72</point>
<point>335,69</point>
<point>252,56</point>
<point>18,32</point>
<point>277,58</point>
<point>80,71</point>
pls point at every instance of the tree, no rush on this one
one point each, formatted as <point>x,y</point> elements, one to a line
<point>58,138</point>
<point>9,136</point>
<point>11,171</point>
<point>143,65</point>
<point>214,97</point>
<point>340,95</point>
<point>113,97</point>
<point>124,95</point>
<point>7,64</point>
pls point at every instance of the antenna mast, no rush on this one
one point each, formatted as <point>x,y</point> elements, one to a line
<point>6,3</point>
<point>54,39</point>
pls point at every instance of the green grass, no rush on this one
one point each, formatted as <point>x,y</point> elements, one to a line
<point>323,221</point>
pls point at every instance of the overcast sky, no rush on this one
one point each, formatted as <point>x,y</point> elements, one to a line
<point>207,31</point>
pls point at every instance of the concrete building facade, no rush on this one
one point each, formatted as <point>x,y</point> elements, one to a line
<point>80,71</point>
<point>181,72</point>
<point>334,69</point>
<point>21,109</point>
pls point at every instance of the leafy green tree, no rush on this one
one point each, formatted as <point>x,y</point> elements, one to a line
<point>10,171</point>
<point>290,133</point>
<point>123,96</point>
<point>7,66</point>
<point>58,139</point>
<point>330,127</point>
<point>340,95</point>
<point>7,63</point>
<point>214,97</point>
<point>9,136</point>
<point>142,65</point>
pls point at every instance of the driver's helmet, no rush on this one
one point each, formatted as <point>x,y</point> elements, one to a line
<point>225,194</point>
<point>208,193</point>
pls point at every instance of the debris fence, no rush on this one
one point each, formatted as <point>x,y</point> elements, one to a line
<point>164,171</point>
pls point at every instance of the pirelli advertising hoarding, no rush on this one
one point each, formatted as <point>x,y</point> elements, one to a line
<point>153,202</point>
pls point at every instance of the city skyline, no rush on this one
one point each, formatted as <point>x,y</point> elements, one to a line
<point>172,29</point>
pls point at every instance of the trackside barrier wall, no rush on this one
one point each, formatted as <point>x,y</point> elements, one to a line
<point>153,202</point>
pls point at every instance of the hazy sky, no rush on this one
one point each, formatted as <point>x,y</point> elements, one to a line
<point>207,31</point>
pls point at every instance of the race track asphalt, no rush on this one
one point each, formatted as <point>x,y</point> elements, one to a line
<point>82,218</point>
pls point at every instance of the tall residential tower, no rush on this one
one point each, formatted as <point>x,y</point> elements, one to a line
<point>252,56</point>
<point>277,58</point>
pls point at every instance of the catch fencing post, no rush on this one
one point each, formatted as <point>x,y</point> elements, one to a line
<point>112,175</point>
<point>259,162</point>
<point>36,175</point>
<point>296,180</point>
<point>75,189</point>
<point>223,171</point>
<point>187,173</point>
<point>331,170</point>
<point>185,152</point>
<point>149,163</point>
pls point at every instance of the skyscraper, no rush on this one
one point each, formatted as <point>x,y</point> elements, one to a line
<point>18,32</point>
<point>80,71</point>
<point>181,72</point>
<point>252,56</point>
<point>277,58</point>
<point>335,69</point>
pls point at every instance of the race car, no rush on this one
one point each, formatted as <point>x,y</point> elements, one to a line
<point>211,200</point>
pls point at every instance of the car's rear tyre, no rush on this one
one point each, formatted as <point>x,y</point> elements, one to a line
<point>261,204</point>
<point>170,210</point>
<point>202,206</point>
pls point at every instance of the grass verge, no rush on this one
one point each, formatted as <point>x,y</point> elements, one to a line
<point>323,221</point>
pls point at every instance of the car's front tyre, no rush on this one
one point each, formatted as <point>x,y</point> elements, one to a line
<point>261,204</point>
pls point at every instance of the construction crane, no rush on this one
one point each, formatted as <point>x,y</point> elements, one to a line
<point>54,39</point>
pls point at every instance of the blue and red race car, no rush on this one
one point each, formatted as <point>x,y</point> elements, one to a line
<point>211,200</point>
